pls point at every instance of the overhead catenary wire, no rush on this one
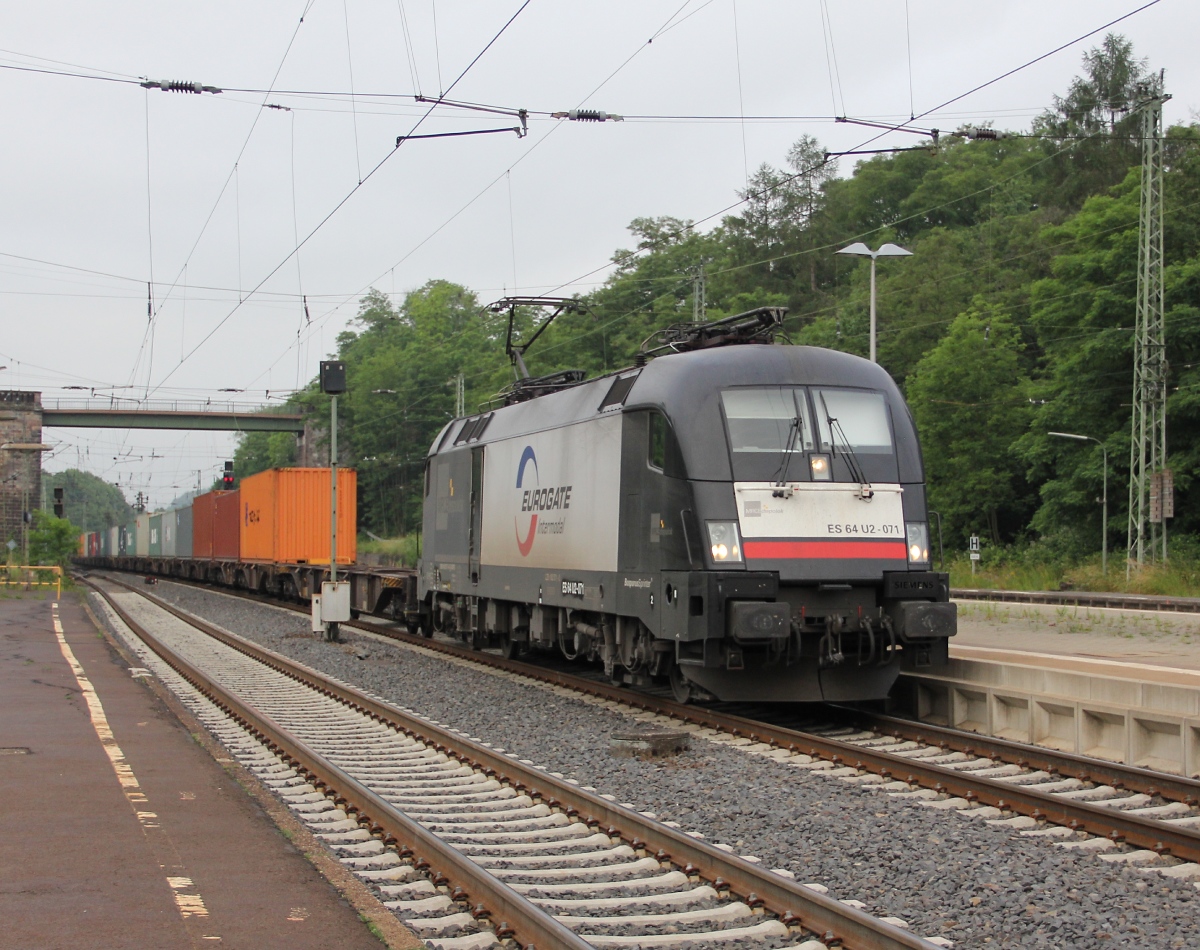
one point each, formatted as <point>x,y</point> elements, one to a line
<point>352,191</point>
<point>241,152</point>
<point>149,247</point>
<point>737,58</point>
<point>409,51</point>
<point>353,100</point>
<point>786,179</point>
<point>665,27</point>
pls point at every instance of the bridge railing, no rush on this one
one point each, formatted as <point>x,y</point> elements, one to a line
<point>157,405</point>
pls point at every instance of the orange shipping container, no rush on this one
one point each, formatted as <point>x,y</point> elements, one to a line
<point>285,516</point>
<point>204,514</point>
<point>226,532</point>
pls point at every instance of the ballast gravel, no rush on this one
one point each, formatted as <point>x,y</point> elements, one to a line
<point>948,875</point>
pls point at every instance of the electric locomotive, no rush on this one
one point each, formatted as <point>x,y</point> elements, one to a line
<point>743,519</point>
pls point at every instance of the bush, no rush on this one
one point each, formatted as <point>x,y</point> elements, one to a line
<point>1051,564</point>
<point>52,540</point>
<point>395,552</point>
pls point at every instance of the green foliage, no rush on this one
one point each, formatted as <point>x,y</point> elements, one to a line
<point>90,502</point>
<point>968,396</point>
<point>393,552</point>
<point>1013,318</point>
<point>259,451</point>
<point>52,540</point>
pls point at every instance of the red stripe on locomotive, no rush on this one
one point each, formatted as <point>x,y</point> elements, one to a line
<point>786,550</point>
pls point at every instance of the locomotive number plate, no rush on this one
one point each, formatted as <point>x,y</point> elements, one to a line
<point>820,510</point>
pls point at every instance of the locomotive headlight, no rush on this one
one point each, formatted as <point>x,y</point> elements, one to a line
<point>821,470</point>
<point>916,534</point>
<point>724,543</point>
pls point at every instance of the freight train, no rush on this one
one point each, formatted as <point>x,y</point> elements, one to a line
<point>745,522</point>
<point>738,519</point>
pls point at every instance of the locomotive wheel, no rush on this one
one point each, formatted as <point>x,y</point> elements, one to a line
<point>681,687</point>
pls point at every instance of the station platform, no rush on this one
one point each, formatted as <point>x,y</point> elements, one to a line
<point>1120,642</point>
<point>118,829</point>
<point>1116,683</point>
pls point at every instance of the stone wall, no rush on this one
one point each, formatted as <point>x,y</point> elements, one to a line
<point>20,468</point>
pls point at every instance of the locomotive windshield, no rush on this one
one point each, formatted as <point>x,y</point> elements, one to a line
<point>774,432</point>
<point>853,416</point>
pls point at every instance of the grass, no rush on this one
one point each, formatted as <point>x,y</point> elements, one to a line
<point>1021,570</point>
<point>393,552</point>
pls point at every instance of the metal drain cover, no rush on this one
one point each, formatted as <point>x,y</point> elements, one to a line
<point>16,750</point>
<point>649,743</point>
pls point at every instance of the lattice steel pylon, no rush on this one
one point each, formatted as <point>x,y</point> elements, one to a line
<point>1148,443</point>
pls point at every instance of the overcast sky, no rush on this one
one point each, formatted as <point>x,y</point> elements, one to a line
<point>107,186</point>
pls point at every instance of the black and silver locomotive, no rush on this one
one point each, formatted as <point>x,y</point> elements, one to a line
<point>746,521</point>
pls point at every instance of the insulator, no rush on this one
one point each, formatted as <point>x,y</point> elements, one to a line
<point>177,85</point>
<point>586,115</point>
<point>983,134</point>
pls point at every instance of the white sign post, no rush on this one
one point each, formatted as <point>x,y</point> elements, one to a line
<point>974,552</point>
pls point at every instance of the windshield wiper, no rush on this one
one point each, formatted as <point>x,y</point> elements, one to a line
<point>856,472</point>
<point>789,447</point>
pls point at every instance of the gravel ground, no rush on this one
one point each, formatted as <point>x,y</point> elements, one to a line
<point>946,874</point>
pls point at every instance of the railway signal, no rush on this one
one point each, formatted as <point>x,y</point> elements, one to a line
<point>227,478</point>
<point>333,608</point>
<point>58,503</point>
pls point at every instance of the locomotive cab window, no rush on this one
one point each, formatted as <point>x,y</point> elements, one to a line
<point>770,432</point>
<point>855,418</point>
<point>662,448</point>
<point>786,433</point>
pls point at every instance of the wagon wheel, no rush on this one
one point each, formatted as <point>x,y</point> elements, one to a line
<point>510,649</point>
<point>681,686</point>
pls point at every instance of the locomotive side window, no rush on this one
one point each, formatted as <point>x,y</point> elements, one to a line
<point>657,454</point>
<point>853,416</point>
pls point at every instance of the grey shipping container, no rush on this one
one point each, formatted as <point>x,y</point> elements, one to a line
<point>168,533</point>
<point>156,532</point>
<point>183,532</point>
<point>143,534</point>
<point>114,540</point>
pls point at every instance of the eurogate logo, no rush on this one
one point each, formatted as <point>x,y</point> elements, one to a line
<point>537,499</point>
<point>527,545</point>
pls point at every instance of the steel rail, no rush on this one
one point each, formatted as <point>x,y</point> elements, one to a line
<point>795,905</point>
<point>1068,764</point>
<point>496,899</point>
<point>1148,833</point>
<point>1081,598</point>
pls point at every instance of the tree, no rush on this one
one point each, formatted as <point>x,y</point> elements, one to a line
<point>52,540</point>
<point>1093,132</point>
<point>968,397</point>
<point>93,503</point>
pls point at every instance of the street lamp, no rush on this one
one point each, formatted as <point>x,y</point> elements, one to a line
<point>1104,449</point>
<point>887,250</point>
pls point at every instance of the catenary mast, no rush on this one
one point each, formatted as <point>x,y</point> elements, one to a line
<point>1148,443</point>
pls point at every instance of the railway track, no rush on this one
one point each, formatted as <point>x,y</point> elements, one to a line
<point>1141,816</point>
<point>1081,598</point>
<point>470,847</point>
